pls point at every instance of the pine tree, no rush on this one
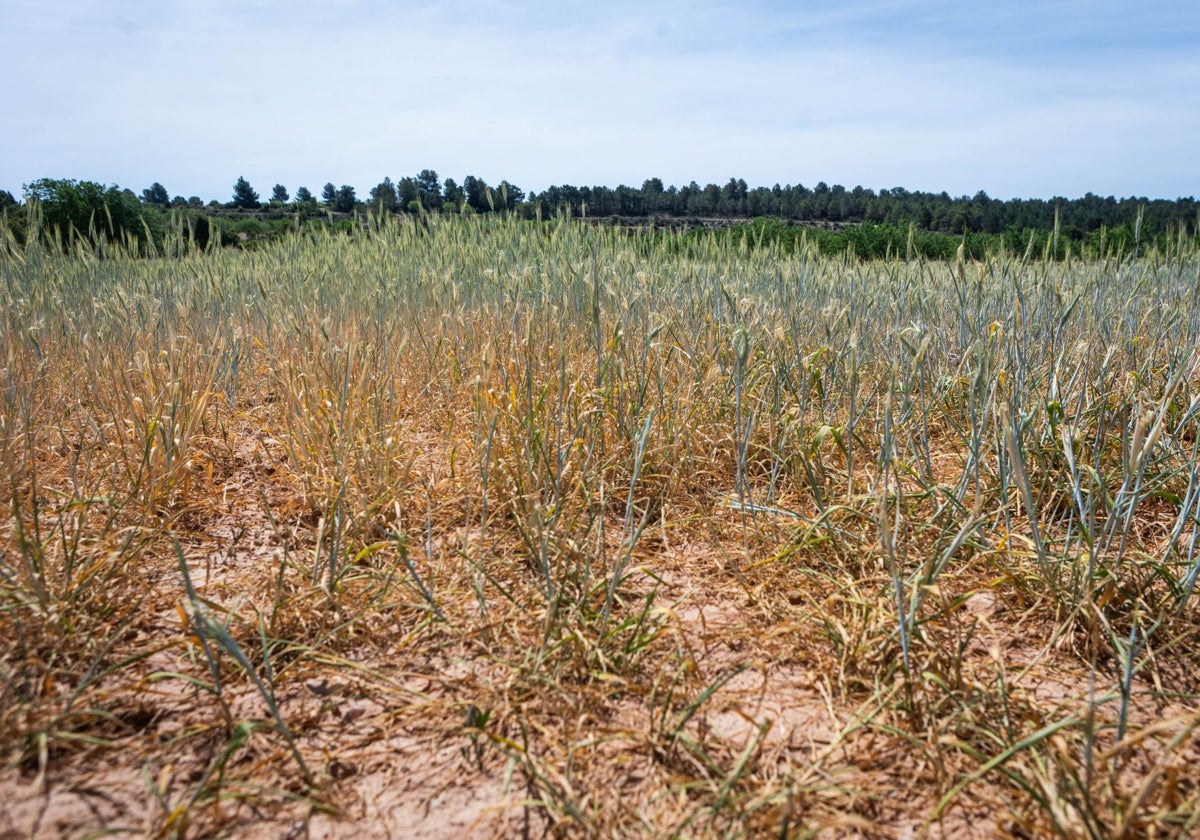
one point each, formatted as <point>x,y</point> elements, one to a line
<point>244,196</point>
<point>156,194</point>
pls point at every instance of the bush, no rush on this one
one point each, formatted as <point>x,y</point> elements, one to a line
<point>64,210</point>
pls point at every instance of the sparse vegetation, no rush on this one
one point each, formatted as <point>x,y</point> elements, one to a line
<point>467,523</point>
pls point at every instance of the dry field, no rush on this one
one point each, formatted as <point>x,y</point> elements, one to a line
<point>471,527</point>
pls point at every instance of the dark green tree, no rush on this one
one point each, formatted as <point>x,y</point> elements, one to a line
<point>156,194</point>
<point>409,194</point>
<point>476,190</point>
<point>329,194</point>
<point>345,199</point>
<point>452,194</point>
<point>689,198</point>
<point>7,202</point>
<point>510,195</point>
<point>628,201</point>
<point>556,199</point>
<point>652,195</point>
<point>430,189</point>
<point>303,196</point>
<point>279,194</point>
<point>206,230</point>
<point>383,196</point>
<point>244,196</point>
<point>733,197</point>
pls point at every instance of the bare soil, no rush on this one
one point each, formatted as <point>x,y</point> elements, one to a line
<point>768,701</point>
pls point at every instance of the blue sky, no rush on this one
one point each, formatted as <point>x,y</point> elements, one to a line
<point>1030,99</point>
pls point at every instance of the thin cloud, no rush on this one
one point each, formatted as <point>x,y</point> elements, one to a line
<point>928,95</point>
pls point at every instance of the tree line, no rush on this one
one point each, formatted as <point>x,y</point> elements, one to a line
<point>424,191</point>
<point>936,212</point>
<point>896,206</point>
<point>92,209</point>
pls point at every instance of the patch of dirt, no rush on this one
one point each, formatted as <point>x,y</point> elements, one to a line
<point>770,701</point>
